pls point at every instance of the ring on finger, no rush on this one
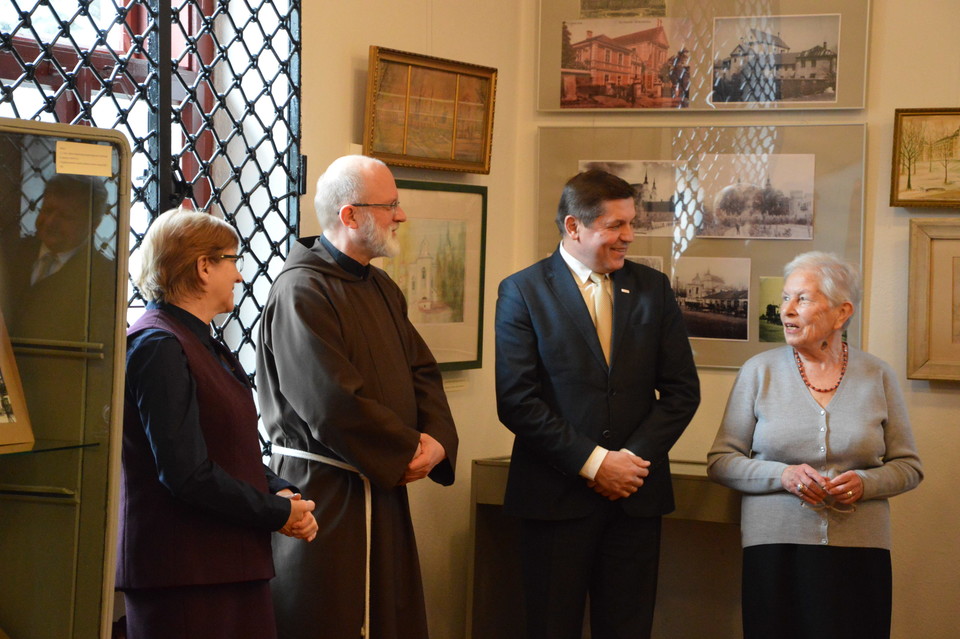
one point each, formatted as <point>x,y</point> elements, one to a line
<point>800,487</point>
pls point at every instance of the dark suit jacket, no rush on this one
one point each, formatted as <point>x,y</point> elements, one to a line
<point>61,306</point>
<point>76,304</point>
<point>558,396</point>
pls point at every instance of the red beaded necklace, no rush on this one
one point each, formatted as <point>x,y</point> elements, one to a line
<point>803,373</point>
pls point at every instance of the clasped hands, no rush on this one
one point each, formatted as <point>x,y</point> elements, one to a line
<point>620,475</point>
<point>429,453</point>
<point>301,524</point>
<point>813,488</point>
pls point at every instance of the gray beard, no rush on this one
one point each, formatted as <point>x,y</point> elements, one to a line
<point>380,242</point>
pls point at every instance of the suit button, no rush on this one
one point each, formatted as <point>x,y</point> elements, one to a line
<point>606,434</point>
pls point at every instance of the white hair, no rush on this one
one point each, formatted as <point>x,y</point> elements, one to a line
<point>341,184</point>
<point>839,280</point>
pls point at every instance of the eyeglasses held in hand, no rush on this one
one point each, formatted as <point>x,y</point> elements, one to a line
<point>830,502</point>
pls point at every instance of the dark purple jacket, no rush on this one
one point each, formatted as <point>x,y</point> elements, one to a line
<point>165,541</point>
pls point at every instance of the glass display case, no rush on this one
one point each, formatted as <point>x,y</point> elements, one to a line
<point>64,205</point>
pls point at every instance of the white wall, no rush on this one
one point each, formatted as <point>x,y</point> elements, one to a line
<point>914,61</point>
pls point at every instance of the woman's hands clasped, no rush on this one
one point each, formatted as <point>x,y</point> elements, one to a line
<point>301,523</point>
<point>812,487</point>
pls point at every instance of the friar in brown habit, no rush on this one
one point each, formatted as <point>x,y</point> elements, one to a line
<point>353,402</point>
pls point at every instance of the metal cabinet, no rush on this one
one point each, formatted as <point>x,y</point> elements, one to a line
<point>62,184</point>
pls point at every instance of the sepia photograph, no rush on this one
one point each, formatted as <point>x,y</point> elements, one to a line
<point>657,193</point>
<point>714,296</point>
<point>776,58</point>
<point>626,64</point>
<point>622,8</point>
<point>770,328</point>
<point>926,158</point>
<point>759,196</point>
<point>653,261</point>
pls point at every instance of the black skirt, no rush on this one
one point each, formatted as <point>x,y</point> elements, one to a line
<point>795,591</point>
<point>221,611</point>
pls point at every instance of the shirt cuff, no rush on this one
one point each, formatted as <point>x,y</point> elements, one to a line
<point>592,465</point>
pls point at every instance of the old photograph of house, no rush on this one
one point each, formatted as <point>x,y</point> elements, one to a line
<point>657,193</point>
<point>776,58</point>
<point>626,64</point>
<point>714,296</point>
<point>927,158</point>
<point>761,196</point>
<point>622,8</point>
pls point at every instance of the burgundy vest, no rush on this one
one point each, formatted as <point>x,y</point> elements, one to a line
<point>163,541</point>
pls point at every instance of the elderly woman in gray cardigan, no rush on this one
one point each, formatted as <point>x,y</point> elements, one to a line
<point>817,438</point>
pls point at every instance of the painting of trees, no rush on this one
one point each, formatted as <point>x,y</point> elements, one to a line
<point>912,141</point>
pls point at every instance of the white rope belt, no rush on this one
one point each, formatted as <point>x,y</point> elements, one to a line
<point>367,508</point>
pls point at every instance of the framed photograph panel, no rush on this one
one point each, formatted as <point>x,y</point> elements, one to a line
<point>14,420</point>
<point>440,267</point>
<point>933,326</point>
<point>926,158</point>
<point>610,55</point>
<point>723,208</point>
<point>428,112</point>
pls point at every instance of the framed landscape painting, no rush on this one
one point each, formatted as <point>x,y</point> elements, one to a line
<point>926,158</point>
<point>428,112</point>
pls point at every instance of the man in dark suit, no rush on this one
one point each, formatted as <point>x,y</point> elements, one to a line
<point>51,272</point>
<point>596,379</point>
<point>60,288</point>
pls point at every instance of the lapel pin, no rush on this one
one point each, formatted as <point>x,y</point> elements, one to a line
<point>624,290</point>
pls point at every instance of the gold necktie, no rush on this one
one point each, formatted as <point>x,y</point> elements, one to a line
<point>44,268</point>
<point>603,312</point>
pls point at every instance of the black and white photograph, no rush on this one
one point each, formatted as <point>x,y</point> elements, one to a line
<point>757,196</point>
<point>7,413</point>
<point>14,420</point>
<point>714,296</point>
<point>770,327</point>
<point>658,194</point>
<point>653,261</point>
<point>626,64</point>
<point>622,8</point>
<point>776,58</point>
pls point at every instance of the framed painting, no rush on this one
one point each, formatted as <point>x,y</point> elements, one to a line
<point>720,210</point>
<point>700,55</point>
<point>14,420</point>
<point>933,325</point>
<point>428,112</point>
<point>440,267</point>
<point>926,158</point>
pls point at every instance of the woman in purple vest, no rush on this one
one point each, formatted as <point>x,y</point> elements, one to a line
<point>197,505</point>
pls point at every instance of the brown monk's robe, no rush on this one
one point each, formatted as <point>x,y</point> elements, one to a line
<point>343,373</point>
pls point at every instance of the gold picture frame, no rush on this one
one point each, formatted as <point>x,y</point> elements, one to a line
<point>429,113</point>
<point>14,419</point>
<point>933,325</point>
<point>925,170</point>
